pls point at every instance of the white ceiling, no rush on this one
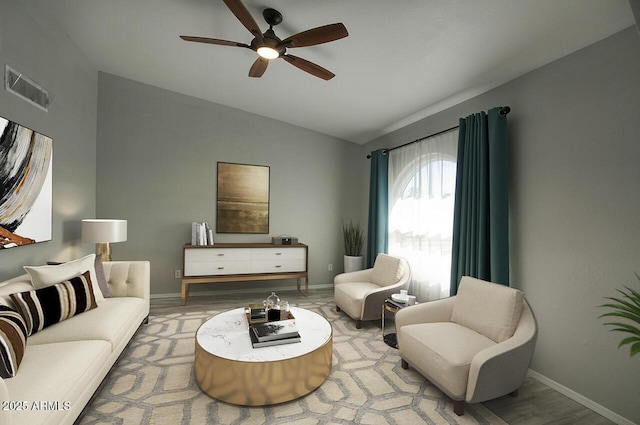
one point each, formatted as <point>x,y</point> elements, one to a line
<point>403,59</point>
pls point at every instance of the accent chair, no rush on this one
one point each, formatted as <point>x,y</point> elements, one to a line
<point>475,346</point>
<point>361,294</point>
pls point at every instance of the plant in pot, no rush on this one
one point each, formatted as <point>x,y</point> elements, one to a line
<point>353,243</point>
<point>627,307</point>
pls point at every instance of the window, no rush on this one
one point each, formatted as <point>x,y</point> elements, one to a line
<point>422,178</point>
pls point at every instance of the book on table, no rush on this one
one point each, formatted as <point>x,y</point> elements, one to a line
<point>256,344</point>
<point>277,330</point>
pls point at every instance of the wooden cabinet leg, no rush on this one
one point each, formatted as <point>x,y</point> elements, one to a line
<point>306,286</point>
<point>185,292</point>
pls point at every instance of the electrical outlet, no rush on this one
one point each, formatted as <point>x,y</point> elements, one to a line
<point>330,267</point>
<point>177,274</point>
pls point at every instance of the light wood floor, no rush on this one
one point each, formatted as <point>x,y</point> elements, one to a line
<point>536,403</point>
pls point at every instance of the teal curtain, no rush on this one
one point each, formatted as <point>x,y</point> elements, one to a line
<point>377,231</point>
<point>481,212</point>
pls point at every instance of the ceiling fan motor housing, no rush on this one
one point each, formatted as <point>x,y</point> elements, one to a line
<point>272,16</point>
<point>269,39</point>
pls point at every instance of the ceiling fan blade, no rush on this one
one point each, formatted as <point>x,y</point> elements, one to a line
<point>240,11</point>
<point>317,35</point>
<point>259,67</point>
<point>213,41</point>
<point>309,67</point>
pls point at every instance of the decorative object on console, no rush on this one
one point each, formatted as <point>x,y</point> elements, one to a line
<point>104,232</point>
<point>201,234</point>
<point>284,240</point>
<point>25,185</point>
<point>243,198</point>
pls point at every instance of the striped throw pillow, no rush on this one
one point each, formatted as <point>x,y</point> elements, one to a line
<point>13,340</point>
<point>46,306</point>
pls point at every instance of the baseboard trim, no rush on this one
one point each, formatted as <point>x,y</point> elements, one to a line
<point>590,404</point>
<point>239,291</point>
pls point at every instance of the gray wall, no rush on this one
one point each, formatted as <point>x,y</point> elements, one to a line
<point>32,46</point>
<point>157,156</point>
<point>574,137</point>
<point>575,182</point>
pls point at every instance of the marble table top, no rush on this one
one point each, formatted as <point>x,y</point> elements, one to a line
<point>226,335</point>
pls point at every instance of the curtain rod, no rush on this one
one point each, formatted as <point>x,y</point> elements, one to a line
<point>504,111</point>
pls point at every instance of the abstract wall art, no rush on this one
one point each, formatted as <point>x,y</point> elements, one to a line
<point>26,159</point>
<point>243,198</point>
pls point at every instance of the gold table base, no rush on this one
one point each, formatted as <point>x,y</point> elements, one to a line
<point>262,383</point>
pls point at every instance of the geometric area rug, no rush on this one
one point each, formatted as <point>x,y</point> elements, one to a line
<point>153,383</point>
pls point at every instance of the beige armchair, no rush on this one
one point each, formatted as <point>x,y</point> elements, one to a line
<point>361,294</point>
<point>474,346</point>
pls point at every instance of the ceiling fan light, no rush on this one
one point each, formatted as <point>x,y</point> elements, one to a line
<point>268,52</point>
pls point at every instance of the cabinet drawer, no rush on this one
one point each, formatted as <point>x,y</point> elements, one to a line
<point>216,254</point>
<point>213,268</point>
<point>278,266</point>
<point>278,253</point>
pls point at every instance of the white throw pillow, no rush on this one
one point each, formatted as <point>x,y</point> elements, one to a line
<point>43,276</point>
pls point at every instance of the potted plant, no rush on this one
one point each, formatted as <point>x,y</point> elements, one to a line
<point>627,307</point>
<point>353,243</point>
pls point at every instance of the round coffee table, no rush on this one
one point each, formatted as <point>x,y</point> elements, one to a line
<point>229,369</point>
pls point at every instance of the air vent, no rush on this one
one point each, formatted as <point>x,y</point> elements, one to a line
<point>24,87</point>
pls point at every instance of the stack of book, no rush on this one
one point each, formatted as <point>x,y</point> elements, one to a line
<point>201,234</point>
<point>274,333</point>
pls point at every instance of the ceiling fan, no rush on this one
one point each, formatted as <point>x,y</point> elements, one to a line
<point>269,46</point>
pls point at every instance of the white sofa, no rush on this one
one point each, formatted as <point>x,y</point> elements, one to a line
<point>65,363</point>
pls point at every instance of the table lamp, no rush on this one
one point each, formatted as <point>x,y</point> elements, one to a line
<point>103,232</point>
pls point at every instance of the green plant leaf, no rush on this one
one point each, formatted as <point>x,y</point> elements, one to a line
<point>623,327</point>
<point>353,239</point>
<point>622,304</point>
<point>635,296</point>
<point>628,308</point>
<point>629,301</point>
<point>625,315</point>
<point>629,340</point>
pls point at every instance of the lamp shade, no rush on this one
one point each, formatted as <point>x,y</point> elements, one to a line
<point>104,230</point>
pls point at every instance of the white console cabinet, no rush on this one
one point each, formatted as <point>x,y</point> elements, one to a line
<point>236,262</point>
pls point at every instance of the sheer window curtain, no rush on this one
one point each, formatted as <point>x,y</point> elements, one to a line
<point>422,181</point>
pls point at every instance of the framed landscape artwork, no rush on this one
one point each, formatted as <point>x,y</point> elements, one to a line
<point>26,158</point>
<point>243,198</point>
